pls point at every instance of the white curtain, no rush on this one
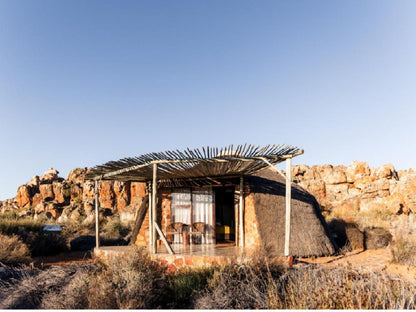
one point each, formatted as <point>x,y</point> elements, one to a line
<point>199,202</point>
<point>181,205</point>
<point>203,206</point>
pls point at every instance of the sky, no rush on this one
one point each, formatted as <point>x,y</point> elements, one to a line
<point>86,82</point>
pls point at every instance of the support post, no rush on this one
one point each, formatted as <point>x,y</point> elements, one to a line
<point>288,204</point>
<point>154,208</point>
<point>97,224</point>
<point>241,214</point>
<point>150,217</point>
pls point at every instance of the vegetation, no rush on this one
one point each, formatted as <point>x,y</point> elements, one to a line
<point>134,282</point>
<point>13,250</point>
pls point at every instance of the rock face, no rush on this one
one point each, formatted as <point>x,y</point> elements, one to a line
<point>73,198</point>
<point>359,187</point>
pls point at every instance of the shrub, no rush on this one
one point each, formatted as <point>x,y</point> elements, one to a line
<point>184,284</point>
<point>403,251</point>
<point>13,250</point>
<point>114,228</point>
<point>340,288</point>
<point>239,286</point>
<point>130,282</point>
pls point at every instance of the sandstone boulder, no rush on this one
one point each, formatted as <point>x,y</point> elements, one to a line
<point>386,171</point>
<point>88,190</point>
<point>122,194</point>
<point>36,199</point>
<point>46,191</point>
<point>76,192</point>
<point>49,176</point>
<point>58,190</point>
<point>34,182</point>
<point>357,170</point>
<point>334,175</point>
<point>23,197</point>
<point>76,175</point>
<point>106,194</point>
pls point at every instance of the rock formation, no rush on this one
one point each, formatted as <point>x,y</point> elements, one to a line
<point>73,198</point>
<point>356,187</point>
<point>359,187</point>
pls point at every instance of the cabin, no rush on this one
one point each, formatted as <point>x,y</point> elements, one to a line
<point>221,202</point>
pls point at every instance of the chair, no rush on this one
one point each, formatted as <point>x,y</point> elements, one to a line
<point>176,229</point>
<point>199,230</point>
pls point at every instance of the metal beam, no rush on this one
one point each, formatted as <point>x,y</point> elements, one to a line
<point>288,205</point>
<point>97,224</point>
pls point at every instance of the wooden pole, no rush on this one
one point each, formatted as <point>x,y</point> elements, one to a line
<point>241,214</point>
<point>150,217</point>
<point>97,224</point>
<point>154,208</point>
<point>288,204</point>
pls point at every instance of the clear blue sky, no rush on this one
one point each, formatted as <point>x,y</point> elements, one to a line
<point>85,82</point>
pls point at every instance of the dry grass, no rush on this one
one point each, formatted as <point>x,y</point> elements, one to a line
<point>403,249</point>
<point>239,286</point>
<point>131,282</point>
<point>135,282</point>
<point>13,250</point>
<point>340,288</point>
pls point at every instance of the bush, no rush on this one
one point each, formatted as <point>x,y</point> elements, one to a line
<point>13,250</point>
<point>130,282</point>
<point>184,284</point>
<point>114,228</point>
<point>403,251</point>
<point>239,286</point>
<point>340,288</point>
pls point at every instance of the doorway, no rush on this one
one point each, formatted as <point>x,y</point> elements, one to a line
<point>225,214</point>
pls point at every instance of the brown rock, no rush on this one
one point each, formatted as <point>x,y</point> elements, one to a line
<point>76,175</point>
<point>385,171</point>
<point>122,194</point>
<point>58,190</point>
<point>34,182</point>
<point>357,170</point>
<point>106,194</point>
<point>41,207</point>
<point>88,190</point>
<point>53,210</point>
<point>23,197</point>
<point>335,192</point>
<point>335,175</point>
<point>49,176</point>
<point>137,192</point>
<point>316,188</point>
<point>36,199</point>
<point>76,192</point>
<point>46,191</point>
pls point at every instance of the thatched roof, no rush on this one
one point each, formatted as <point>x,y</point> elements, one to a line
<point>308,235</point>
<point>197,165</point>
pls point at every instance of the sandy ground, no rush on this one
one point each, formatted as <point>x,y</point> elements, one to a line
<point>365,260</point>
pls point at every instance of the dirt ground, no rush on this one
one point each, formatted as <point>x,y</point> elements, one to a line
<point>364,260</point>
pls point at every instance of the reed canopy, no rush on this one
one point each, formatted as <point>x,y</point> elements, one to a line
<point>199,166</point>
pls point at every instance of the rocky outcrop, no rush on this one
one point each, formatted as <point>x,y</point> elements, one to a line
<point>73,198</point>
<point>355,187</point>
<point>359,187</point>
